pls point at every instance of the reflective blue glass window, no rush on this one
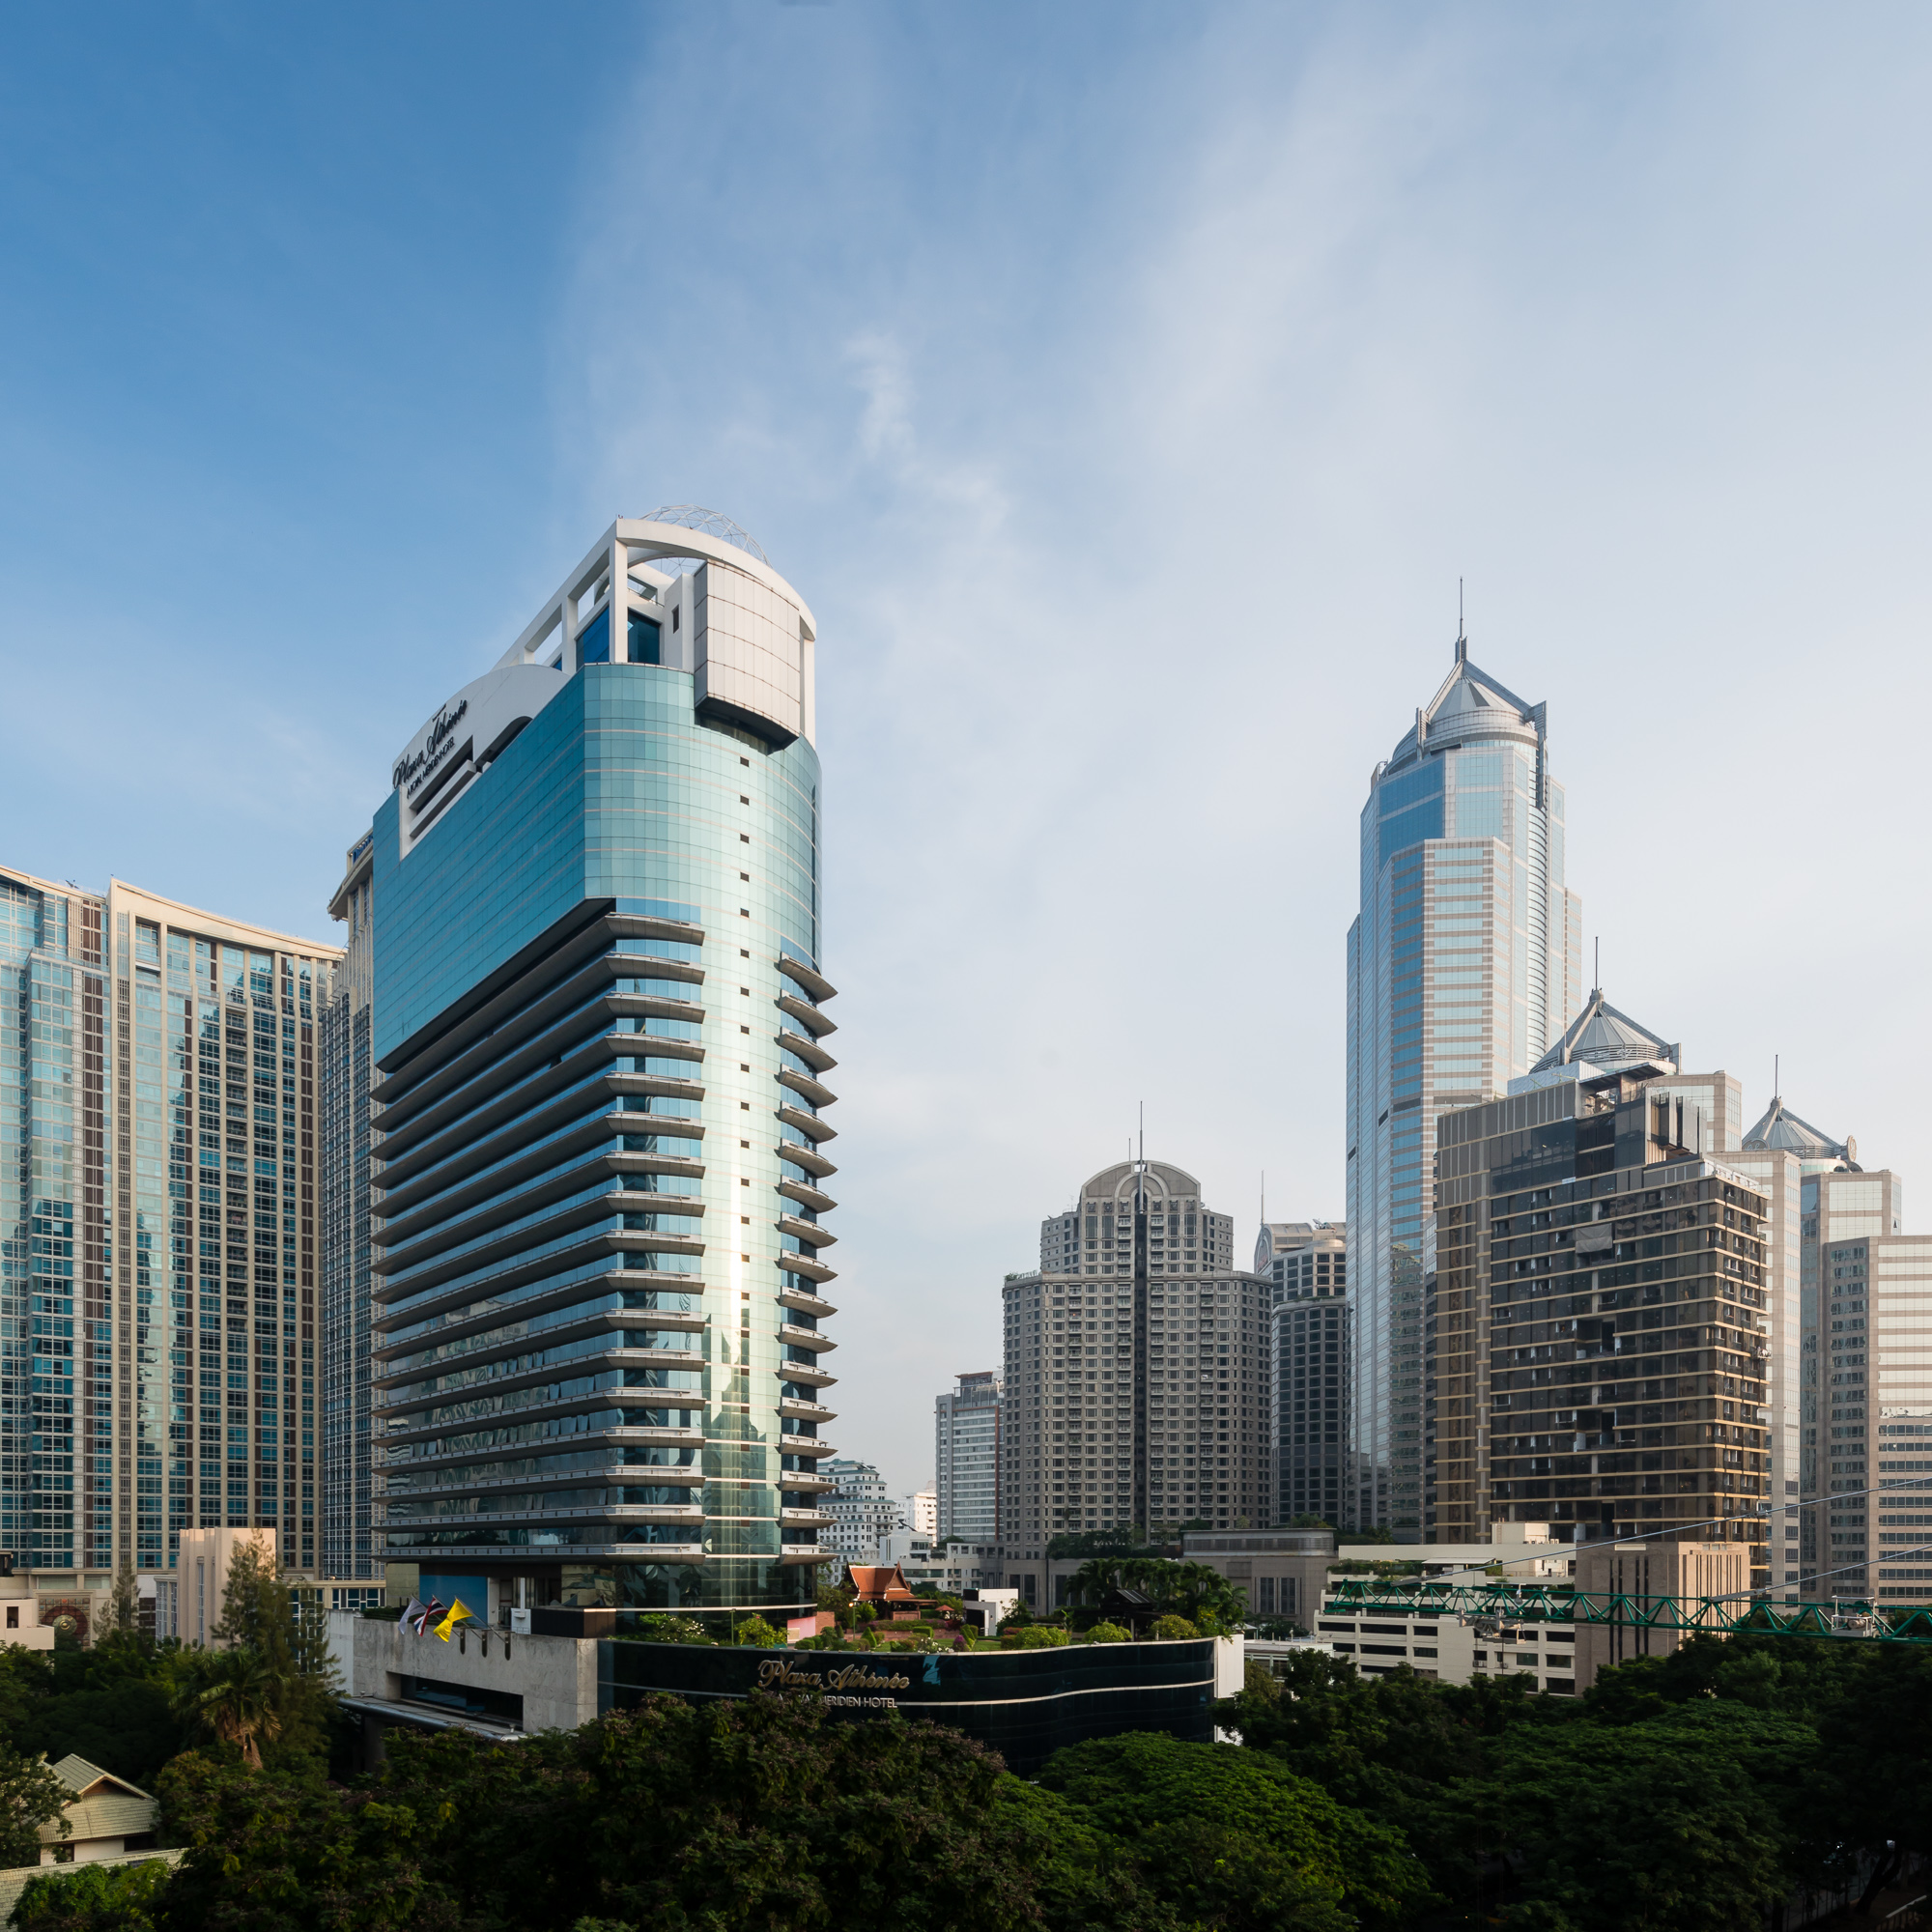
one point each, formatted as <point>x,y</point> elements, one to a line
<point>594,642</point>
<point>644,640</point>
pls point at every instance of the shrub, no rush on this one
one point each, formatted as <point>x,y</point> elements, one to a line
<point>661,1629</point>
<point>1172,1630</point>
<point>84,1897</point>
<point>1109,1634</point>
<point>1035,1636</point>
<point>755,1634</point>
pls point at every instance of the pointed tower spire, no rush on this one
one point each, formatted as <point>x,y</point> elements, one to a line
<point>1462,629</point>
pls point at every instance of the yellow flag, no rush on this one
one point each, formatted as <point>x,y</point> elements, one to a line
<point>457,1615</point>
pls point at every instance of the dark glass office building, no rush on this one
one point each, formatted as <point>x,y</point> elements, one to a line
<point>599,1023</point>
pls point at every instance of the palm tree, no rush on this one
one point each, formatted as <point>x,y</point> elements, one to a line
<point>238,1700</point>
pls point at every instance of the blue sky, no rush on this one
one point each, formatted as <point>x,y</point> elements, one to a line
<point>1126,389</point>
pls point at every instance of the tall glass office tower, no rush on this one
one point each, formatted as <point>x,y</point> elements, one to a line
<point>598,1033</point>
<point>1464,963</point>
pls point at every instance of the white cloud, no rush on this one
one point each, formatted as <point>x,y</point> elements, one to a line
<point>1128,423</point>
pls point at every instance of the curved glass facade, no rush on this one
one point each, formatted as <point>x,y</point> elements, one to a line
<point>600,1127</point>
<point>1463,964</point>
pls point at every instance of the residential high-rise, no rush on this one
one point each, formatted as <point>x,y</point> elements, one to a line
<point>1779,1153</point>
<point>599,1041</point>
<point>1135,1394</point>
<point>1464,963</point>
<point>859,1513</point>
<point>1302,1254</point>
<point>1310,1345</point>
<point>1867,1376</point>
<point>1603,1308</point>
<point>966,1428</point>
<point>348,1275</point>
<point>157,1276</point>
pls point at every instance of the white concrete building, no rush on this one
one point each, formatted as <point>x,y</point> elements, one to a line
<point>860,1511</point>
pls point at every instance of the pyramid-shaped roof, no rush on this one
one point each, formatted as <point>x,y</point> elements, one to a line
<point>1783,1129</point>
<point>1603,1037</point>
<point>1468,698</point>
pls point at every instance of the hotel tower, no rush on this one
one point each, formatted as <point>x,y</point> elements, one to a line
<point>597,1063</point>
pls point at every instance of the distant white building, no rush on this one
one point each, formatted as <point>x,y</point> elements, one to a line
<point>861,1513</point>
<point>921,1511</point>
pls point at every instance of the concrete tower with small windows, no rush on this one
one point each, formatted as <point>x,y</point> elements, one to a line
<point>1306,1263</point>
<point>1136,1384</point>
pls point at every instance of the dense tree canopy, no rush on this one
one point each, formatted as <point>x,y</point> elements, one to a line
<point>1684,1794</point>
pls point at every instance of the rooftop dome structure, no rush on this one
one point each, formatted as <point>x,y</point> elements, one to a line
<point>712,523</point>
<point>1602,1038</point>
<point>1470,704</point>
<point>1782,1129</point>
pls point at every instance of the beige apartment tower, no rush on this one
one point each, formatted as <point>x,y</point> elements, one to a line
<point>1136,1393</point>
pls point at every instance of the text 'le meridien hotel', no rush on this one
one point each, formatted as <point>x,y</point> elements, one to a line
<point>591,905</point>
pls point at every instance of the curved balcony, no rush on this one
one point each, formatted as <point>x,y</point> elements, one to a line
<point>820,1095</point>
<point>804,1264</point>
<point>807,1050</point>
<point>591,1321</point>
<point>806,1412</point>
<point>806,1445</point>
<point>619,1475</point>
<point>616,1436</point>
<point>806,1231</point>
<point>654,1006</point>
<point>588,1512</point>
<point>809,1304</point>
<point>806,1338</point>
<point>807,1552</point>
<point>809,1158</point>
<point>656,1083</point>
<point>801,1372</point>
<point>817,987</point>
<point>815,1023</point>
<point>793,1519</point>
<point>811,1127</point>
<point>817,1200</point>
<point>544,1372</point>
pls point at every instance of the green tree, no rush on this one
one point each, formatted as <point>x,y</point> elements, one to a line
<point>706,1818</point>
<point>1109,1634</point>
<point>93,1898</point>
<point>123,1605</point>
<point>755,1632</point>
<point>30,1796</point>
<point>1231,1839</point>
<point>1683,1823</point>
<point>238,1697</point>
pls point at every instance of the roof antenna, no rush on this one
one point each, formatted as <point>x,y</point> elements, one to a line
<point>1597,967</point>
<point>1462,634</point>
<point>1775,1089</point>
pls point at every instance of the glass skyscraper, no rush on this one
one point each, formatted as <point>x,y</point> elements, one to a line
<point>1464,963</point>
<point>159,1245</point>
<point>599,1064</point>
